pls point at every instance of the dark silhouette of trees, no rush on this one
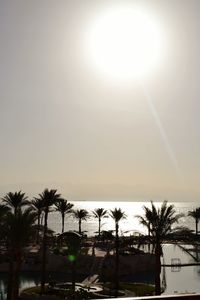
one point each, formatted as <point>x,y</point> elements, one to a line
<point>100,213</point>
<point>64,208</point>
<point>37,206</point>
<point>49,198</point>
<point>117,214</point>
<point>159,222</point>
<point>73,241</point>
<point>15,200</point>
<point>195,214</point>
<point>80,215</point>
<point>19,229</point>
<point>3,211</point>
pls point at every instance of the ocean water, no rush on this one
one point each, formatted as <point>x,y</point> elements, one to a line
<point>126,227</point>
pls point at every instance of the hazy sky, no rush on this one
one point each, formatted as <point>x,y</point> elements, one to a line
<point>64,126</point>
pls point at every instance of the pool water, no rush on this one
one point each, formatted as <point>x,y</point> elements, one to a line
<point>184,279</point>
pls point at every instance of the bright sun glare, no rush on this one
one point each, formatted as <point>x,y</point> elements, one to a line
<point>124,43</point>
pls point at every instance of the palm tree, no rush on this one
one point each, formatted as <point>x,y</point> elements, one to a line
<point>147,213</point>
<point>15,200</point>
<point>49,198</point>
<point>37,204</point>
<point>159,221</point>
<point>100,213</point>
<point>195,214</point>
<point>81,215</point>
<point>19,229</point>
<point>117,214</point>
<point>64,208</point>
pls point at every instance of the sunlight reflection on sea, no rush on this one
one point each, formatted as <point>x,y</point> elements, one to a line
<point>128,226</point>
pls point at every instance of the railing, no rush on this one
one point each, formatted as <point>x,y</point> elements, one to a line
<point>164,297</point>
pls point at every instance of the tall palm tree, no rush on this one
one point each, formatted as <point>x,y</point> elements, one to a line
<point>81,215</point>
<point>159,221</point>
<point>15,200</point>
<point>37,205</point>
<point>117,214</point>
<point>100,213</point>
<point>195,214</point>
<point>64,208</point>
<point>147,214</point>
<point>19,229</point>
<point>49,198</point>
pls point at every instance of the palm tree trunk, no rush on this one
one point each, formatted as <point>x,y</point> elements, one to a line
<point>63,222</point>
<point>79,226</point>
<point>117,260</point>
<point>44,254</point>
<point>41,219</point>
<point>10,276</point>
<point>196,227</point>
<point>157,269</point>
<point>15,293</point>
<point>73,276</point>
<point>38,231</point>
<point>99,226</point>
<point>149,234</point>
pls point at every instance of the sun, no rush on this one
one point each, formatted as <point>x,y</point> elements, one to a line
<point>124,43</point>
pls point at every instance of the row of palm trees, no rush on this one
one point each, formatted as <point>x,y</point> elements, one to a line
<point>18,217</point>
<point>100,213</point>
<point>65,208</point>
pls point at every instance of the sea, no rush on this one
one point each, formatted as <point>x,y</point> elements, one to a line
<point>176,280</point>
<point>128,226</point>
